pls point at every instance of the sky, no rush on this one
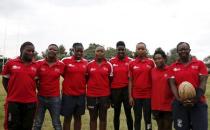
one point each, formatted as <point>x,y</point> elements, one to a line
<point>158,23</point>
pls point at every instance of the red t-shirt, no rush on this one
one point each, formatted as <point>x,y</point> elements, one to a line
<point>21,85</point>
<point>120,72</point>
<point>188,72</point>
<point>49,78</point>
<point>98,78</point>
<point>161,93</point>
<point>74,82</point>
<point>140,72</point>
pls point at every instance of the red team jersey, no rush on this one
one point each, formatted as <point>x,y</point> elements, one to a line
<point>74,83</point>
<point>22,85</point>
<point>188,72</point>
<point>120,72</point>
<point>161,93</point>
<point>98,78</point>
<point>49,78</point>
<point>140,72</point>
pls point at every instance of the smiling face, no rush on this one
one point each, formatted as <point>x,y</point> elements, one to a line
<point>184,51</point>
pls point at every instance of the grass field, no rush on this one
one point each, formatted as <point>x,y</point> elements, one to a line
<point>85,119</point>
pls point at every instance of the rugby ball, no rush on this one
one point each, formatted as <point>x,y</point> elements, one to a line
<point>186,90</point>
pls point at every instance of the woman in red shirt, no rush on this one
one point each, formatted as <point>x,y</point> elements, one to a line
<point>119,86</point>
<point>191,112</point>
<point>74,87</point>
<point>18,79</point>
<point>140,86</point>
<point>49,71</point>
<point>99,71</point>
<point>161,94</point>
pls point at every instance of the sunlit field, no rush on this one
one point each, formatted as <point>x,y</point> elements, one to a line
<point>85,119</point>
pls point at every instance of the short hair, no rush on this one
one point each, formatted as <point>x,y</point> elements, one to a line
<point>143,44</point>
<point>161,52</point>
<point>22,47</point>
<point>120,43</point>
<point>99,46</point>
<point>76,44</point>
<point>53,45</point>
<point>180,43</point>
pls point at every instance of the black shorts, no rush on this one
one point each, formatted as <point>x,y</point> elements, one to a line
<point>72,105</point>
<point>162,114</point>
<point>98,102</point>
<point>119,96</point>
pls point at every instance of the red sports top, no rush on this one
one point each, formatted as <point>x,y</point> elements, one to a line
<point>188,72</point>
<point>49,78</point>
<point>22,85</point>
<point>74,83</point>
<point>161,93</point>
<point>140,72</point>
<point>120,72</point>
<point>98,78</point>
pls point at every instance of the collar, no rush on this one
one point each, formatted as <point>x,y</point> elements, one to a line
<point>18,59</point>
<point>192,60</point>
<point>46,63</point>
<point>124,59</point>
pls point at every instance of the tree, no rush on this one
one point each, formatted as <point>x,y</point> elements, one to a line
<point>62,52</point>
<point>110,52</point>
<point>36,56</point>
<point>172,56</point>
<point>89,53</point>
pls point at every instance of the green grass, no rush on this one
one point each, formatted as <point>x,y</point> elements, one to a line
<point>85,119</point>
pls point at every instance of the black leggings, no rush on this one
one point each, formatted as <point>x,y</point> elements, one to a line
<point>145,105</point>
<point>20,115</point>
<point>118,97</point>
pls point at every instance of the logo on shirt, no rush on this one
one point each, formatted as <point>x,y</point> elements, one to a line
<point>176,69</point>
<point>43,69</point>
<point>114,65</point>
<point>57,70</point>
<point>33,69</point>
<point>15,67</point>
<point>165,75</point>
<point>135,67</point>
<point>71,65</point>
<point>104,68</point>
<point>92,69</point>
<point>179,123</point>
<point>126,64</point>
<point>148,66</point>
<point>194,67</point>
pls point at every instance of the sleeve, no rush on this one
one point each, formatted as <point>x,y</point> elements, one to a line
<point>6,70</point>
<point>171,72</point>
<point>153,63</point>
<point>130,69</point>
<point>203,69</point>
<point>62,68</point>
<point>111,69</point>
